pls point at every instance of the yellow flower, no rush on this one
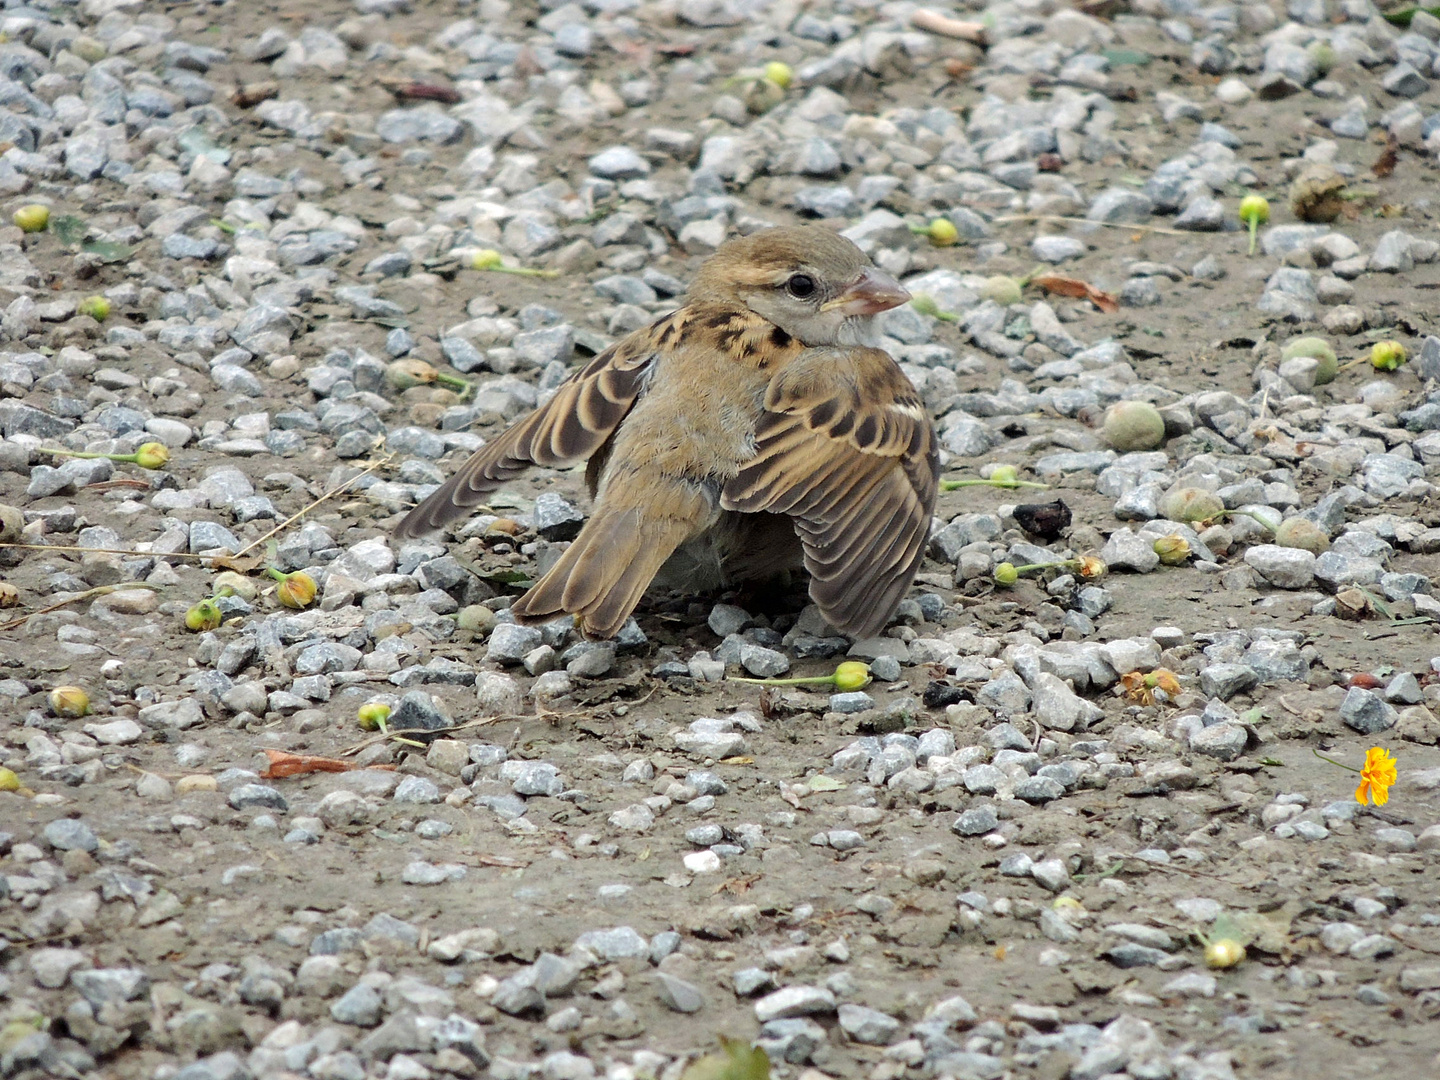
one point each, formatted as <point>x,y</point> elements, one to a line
<point>69,701</point>
<point>942,233</point>
<point>1376,776</point>
<point>1173,550</point>
<point>1140,686</point>
<point>851,675</point>
<point>152,455</point>
<point>779,73</point>
<point>297,590</point>
<point>372,715</point>
<point>203,616</point>
<point>1164,679</point>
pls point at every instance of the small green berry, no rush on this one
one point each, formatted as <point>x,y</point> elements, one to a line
<point>32,218</point>
<point>97,307</point>
<point>1387,355</point>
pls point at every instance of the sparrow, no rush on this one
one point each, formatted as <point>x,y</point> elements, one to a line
<point>748,432</point>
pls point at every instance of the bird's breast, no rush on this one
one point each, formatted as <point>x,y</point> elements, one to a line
<point>697,418</point>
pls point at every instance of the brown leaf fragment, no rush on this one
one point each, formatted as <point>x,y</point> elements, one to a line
<point>1081,290</point>
<point>283,764</point>
<point>1388,159</point>
<point>251,94</point>
<point>426,92</point>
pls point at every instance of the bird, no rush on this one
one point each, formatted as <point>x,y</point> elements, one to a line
<point>749,432</point>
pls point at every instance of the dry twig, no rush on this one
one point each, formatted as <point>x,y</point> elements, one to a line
<point>945,26</point>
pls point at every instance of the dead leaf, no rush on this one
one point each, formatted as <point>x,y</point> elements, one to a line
<point>736,886</point>
<point>1082,290</point>
<point>1388,159</point>
<point>283,764</point>
<point>252,94</point>
<point>767,702</point>
<point>426,92</point>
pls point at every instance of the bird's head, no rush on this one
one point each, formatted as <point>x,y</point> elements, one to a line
<point>815,285</point>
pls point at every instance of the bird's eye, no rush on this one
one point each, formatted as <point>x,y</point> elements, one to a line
<point>800,286</point>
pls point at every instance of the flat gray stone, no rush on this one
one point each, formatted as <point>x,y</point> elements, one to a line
<point>1282,567</point>
<point>1120,205</point>
<point>510,643</point>
<point>871,1027</point>
<point>1225,741</point>
<point>619,943</point>
<point>1224,681</point>
<point>677,994</point>
<point>977,821</point>
<point>794,1001</point>
<point>1367,712</point>
<point>619,163</point>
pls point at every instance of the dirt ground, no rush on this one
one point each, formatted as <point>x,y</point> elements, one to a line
<point>219,909</point>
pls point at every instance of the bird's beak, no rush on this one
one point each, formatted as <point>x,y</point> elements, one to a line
<point>871,293</point>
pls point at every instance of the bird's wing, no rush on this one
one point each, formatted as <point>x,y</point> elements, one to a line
<point>572,425</point>
<point>846,448</point>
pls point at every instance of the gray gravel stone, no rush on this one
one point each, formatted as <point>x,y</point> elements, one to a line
<point>1285,568</point>
<point>1225,741</point>
<point>1367,712</point>
<point>1404,81</point>
<point>977,821</point>
<point>510,642</point>
<point>619,943</point>
<point>763,663</point>
<point>794,1001</point>
<point>1056,249</point>
<point>619,163</point>
<point>867,1026</point>
<point>1039,789</point>
<point>1224,681</point>
<point>851,702</point>
<point>109,986</point>
<point>360,1006</point>
<point>1120,205</point>
<point>70,834</point>
<point>677,994</point>
<point>1203,215</point>
<point>248,796</point>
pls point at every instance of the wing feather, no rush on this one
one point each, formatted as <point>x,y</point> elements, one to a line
<point>572,425</point>
<point>846,448</point>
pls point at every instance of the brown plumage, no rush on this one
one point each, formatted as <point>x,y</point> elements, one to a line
<point>749,431</point>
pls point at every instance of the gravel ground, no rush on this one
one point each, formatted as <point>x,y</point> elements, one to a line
<point>1002,857</point>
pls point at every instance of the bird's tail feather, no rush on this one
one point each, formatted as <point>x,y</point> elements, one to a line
<point>605,571</point>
